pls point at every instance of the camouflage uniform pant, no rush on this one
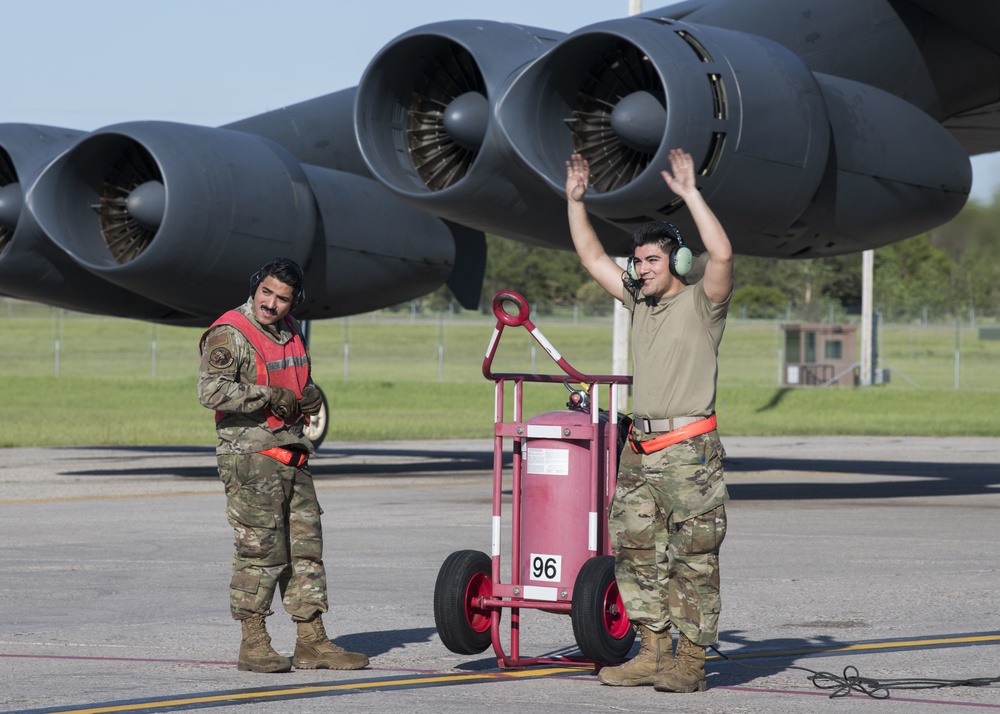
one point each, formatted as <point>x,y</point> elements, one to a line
<point>278,537</point>
<point>667,520</point>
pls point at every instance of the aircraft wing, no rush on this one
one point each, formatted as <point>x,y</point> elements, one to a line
<point>975,119</point>
<point>818,128</point>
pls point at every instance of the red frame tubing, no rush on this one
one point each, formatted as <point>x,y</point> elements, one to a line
<point>516,430</point>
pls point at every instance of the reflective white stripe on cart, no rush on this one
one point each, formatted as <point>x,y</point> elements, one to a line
<point>496,535</point>
<point>546,345</point>
<point>493,341</point>
<point>541,431</point>
<point>533,592</point>
<point>592,536</point>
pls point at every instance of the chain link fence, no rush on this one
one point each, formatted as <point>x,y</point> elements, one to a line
<point>410,345</point>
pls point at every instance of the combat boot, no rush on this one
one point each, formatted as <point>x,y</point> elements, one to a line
<point>687,674</point>
<point>313,649</point>
<point>256,653</point>
<point>654,656</point>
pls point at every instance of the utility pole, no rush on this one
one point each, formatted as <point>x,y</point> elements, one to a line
<point>620,326</point>
<point>867,338</point>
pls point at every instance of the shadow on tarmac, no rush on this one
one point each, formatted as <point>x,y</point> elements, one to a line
<point>910,479</point>
<point>769,657</point>
<point>786,652</point>
<point>381,642</point>
<point>749,660</point>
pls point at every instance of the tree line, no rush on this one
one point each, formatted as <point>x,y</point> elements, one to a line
<point>942,275</point>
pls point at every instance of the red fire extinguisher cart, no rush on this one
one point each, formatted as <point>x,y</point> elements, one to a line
<point>563,469</point>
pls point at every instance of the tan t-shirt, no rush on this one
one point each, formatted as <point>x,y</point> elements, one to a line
<point>675,348</point>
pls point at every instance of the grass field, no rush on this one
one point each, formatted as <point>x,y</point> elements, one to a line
<point>71,379</point>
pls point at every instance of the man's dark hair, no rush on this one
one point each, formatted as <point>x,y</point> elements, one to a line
<point>285,270</point>
<point>663,233</point>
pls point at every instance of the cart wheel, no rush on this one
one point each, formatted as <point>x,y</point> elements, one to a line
<point>463,579</point>
<point>600,625</point>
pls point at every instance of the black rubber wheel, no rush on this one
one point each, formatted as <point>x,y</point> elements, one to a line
<point>315,430</point>
<point>465,576</point>
<point>601,626</point>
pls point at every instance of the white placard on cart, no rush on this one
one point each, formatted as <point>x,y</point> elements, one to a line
<point>548,462</point>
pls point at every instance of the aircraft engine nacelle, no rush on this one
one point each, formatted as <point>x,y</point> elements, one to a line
<point>184,215</point>
<point>152,206</point>
<point>425,125</point>
<point>25,149</point>
<point>625,92</point>
<point>878,189</point>
<point>377,251</point>
<point>754,117</point>
<point>31,266</point>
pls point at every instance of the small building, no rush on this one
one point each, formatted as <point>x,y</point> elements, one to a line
<point>820,354</point>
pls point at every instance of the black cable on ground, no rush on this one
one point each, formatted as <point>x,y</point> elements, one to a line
<point>852,681</point>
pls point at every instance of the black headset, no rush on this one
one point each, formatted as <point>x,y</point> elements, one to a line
<point>257,278</point>
<point>680,259</point>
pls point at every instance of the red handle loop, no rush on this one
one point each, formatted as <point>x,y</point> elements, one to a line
<point>499,308</point>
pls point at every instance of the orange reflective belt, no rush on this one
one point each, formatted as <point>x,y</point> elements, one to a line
<point>696,428</point>
<point>287,456</point>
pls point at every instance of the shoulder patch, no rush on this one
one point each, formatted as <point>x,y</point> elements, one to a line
<point>221,358</point>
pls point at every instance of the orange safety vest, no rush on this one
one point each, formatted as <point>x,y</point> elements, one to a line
<point>284,365</point>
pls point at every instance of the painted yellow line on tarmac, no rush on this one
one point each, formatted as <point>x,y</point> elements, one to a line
<point>276,694</point>
<point>864,646</point>
<point>279,693</point>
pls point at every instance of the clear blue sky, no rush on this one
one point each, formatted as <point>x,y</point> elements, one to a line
<point>86,64</point>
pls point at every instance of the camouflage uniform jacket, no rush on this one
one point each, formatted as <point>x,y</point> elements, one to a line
<point>227,382</point>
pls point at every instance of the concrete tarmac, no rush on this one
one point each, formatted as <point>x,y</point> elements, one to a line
<point>874,555</point>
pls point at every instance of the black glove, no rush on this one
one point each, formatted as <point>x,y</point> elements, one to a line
<point>284,404</point>
<point>312,400</point>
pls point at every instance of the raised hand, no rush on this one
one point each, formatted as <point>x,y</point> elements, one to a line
<point>682,180</point>
<point>577,177</point>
